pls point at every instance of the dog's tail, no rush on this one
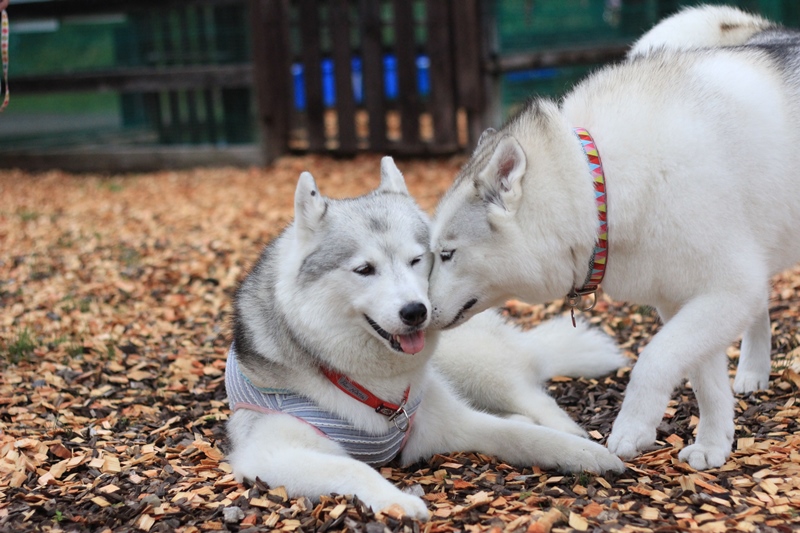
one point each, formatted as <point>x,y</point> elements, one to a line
<point>708,26</point>
<point>490,344</point>
<point>558,349</point>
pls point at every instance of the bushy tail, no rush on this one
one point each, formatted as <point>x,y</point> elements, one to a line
<point>707,26</point>
<point>488,343</point>
<point>557,348</point>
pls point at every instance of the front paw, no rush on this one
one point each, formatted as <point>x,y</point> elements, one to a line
<point>412,506</point>
<point>585,455</point>
<point>629,440</point>
<point>703,457</point>
<point>749,381</point>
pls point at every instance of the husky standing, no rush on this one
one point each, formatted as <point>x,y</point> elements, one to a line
<point>330,372</point>
<point>672,175</point>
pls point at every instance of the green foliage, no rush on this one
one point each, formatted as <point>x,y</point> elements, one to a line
<point>22,348</point>
<point>28,215</point>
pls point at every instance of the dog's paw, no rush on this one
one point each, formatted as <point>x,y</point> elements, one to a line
<point>629,441</point>
<point>589,456</point>
<point>703,457</point>
<point>412,506</point>
<point>749,381</point>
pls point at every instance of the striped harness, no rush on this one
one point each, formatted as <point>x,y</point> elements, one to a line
<point>375,450</point>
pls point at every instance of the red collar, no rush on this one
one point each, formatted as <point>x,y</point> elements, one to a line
<point>395,413</point>
<point>597,263</point>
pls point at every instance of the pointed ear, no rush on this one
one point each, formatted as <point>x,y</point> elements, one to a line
<point>309,206</point>
<point>488,132</point>
<point>502,176</point>
<point>391,178</point>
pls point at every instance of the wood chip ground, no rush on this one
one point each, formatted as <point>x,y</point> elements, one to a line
<point>114,307</point>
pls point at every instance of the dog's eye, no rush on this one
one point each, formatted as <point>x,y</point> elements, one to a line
<point>365,270</point>
<point>446,255</point>
<point>416,260</point>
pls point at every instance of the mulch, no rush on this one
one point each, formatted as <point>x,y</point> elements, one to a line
<point>114,307</point>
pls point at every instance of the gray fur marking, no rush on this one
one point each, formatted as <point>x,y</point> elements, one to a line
<point>326,258</point>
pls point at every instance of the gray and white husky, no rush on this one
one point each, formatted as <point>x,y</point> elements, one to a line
<point>330,369</point>
<point>703,207</point>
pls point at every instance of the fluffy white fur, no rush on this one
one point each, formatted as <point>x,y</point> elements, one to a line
<point>496,366</point>
<point>697,148</point>
<point>705,26</point>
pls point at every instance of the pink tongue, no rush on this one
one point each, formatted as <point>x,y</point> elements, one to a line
<point>413,342</point>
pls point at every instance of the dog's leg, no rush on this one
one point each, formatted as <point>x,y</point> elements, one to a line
<point>535,404</point>
<point>712,389</point>
<point>283,451</point>
<point>444,423</point>
<point>754,361</point>
<point>677,348</point>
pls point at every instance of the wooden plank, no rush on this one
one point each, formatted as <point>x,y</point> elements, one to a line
<point>312,70</point>
<point>345,104</point>
<point>70,8</point>
<point>191,95</point>
<point>133,158</point>
<point>272,73</point>
<point>139,79</point>
<point>173,104</point>
<point>442,96</point>
<point>557,57</point>
<point>152,107</point>
<point>469,80</point>
<point>206,55</point>
<point>372,71</point>
<point>405,50</point>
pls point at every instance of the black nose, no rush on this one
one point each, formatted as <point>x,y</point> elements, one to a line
<point>414,314</point>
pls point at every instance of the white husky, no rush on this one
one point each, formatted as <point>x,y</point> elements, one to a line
<point>702,208</point>
<point>330,368</point>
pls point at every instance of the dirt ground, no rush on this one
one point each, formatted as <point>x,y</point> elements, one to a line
<point>114,306</point>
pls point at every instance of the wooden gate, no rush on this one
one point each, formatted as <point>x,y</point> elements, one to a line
<point>389,76</point>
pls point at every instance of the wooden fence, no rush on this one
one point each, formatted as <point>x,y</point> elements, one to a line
<point>245,81</point>
<point>392,76</point>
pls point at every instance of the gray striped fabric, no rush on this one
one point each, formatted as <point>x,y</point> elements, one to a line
<point>375,450</point>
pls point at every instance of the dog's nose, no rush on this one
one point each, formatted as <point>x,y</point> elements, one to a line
<point>414,314</point>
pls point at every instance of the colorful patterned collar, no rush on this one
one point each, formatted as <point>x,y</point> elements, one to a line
<point>597,263</point>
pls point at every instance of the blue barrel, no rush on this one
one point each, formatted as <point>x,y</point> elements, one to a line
<point>328,83</point>
<point>299,87</point>
<point>358,80</point>
<point>423,75</point>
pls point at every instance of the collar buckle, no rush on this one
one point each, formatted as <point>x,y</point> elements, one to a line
<point>575,299</point>
<point>400,422</point>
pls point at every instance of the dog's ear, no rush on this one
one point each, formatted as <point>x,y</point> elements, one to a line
<point>309,206</point>
<point>487,133</point>
<point>391,178</point>
<point>502,176</point>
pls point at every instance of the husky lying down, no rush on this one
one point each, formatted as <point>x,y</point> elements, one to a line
<point>695,149</point>
<point>330,370</point>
